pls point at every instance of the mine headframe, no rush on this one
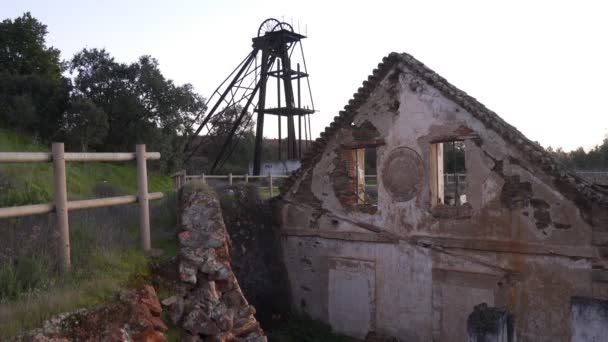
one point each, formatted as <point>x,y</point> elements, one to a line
<point>272,56</point>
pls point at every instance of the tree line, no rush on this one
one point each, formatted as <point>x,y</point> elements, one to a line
<point>595,159</point>
<point>91,101</point>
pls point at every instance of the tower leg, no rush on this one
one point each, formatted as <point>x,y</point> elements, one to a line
<point>259,132</point>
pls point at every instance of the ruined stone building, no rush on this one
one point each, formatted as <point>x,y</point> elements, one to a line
<point>418,203</point>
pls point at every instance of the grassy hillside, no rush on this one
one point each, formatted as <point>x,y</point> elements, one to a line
<point>104,241</point>
<point>28,183</point>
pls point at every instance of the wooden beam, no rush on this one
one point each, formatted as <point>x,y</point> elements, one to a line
<point>38,209</point>
<point>23,157</point>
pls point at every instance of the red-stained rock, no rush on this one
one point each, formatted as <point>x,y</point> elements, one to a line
<point>147,296</point>
<point>134,315</point>
<point>149,335</point>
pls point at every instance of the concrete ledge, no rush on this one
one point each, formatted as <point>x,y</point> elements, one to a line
<point>506,246</point>
<point>599,238</point>
<point>600,276</point>
<point>346,236</point>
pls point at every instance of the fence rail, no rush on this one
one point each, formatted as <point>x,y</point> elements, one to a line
<point>181,178</point>
<point>60,205</point>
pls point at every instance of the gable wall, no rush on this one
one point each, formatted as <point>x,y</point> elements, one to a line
<point>524,246</point>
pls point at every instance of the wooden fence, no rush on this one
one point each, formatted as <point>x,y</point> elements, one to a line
<point>61,205</point>
<point>181,178</point>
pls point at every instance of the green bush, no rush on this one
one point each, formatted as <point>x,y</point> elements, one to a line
<point>27,195</point>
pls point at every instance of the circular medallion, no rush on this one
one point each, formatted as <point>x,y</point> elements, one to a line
<point>402,174</point>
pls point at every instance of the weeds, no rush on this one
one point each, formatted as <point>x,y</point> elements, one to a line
<point>104,241</point>
<point>105,259</point>
<point>302,328</point>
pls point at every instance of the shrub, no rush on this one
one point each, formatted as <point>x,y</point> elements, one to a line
<point>107,190</point>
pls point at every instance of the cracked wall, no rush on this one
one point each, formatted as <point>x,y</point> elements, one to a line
<point>520,242</point>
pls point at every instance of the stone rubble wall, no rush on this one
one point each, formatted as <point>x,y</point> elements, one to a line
<point>210,305</point>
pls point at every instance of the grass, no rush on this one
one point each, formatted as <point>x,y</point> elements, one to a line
<point>31,183</point>
<point>103,263</point>
<point>265,192</point>
<point>90,283</point>
<point>104,241</point>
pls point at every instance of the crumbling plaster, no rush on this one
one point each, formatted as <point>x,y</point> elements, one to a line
<point>530,270</point>
<point>425,115</point>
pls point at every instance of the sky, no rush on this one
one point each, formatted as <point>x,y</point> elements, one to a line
<point>541,65</point>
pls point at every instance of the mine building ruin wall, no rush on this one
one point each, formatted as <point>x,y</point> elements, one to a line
<point>527,237</point>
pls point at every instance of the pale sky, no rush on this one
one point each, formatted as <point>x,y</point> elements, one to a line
<point>541,65</point>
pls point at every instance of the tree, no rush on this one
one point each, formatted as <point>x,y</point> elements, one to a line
<point>141,105</point>
<point>240,149</point>
<point>595,159</point>
<point>33,93</point>
<point>84,124</point>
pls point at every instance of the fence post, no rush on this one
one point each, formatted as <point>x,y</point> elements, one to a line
<point>61,205</point>
<point>203,179</point>
<point>182,178</point>
<point>176,181</point>
<point>247,178</point>
<point>142,197</point>
<point>270,183</point>
<point>230,178</point>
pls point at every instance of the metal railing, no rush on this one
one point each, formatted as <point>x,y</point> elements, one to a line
<point>61,205</point>
<point>181,178</point>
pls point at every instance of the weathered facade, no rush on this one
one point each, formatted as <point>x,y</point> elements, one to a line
<point>520,233</point>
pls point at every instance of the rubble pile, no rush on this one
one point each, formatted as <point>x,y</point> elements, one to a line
<point>133,316</point>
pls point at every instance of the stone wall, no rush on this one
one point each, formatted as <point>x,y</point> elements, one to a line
<point>209,305</point>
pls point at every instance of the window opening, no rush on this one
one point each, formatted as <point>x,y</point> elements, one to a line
<point>367,179</point>
<point>448,173</point>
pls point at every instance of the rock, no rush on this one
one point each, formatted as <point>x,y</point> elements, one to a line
<point>142,318</point>
<point>218,311</point>
<point>197,255</point>
<point>225,337</point>
<point>191,338</point>
<point>223,273</point>
<point>245,326</point>
<point>226,321</point>
<point>133,316</point>
<point>197,322</point>
<point>41,338</point>
<point>187,274</point>
<point>211,265</point>
<point>176,310</point>
<point>149,335</point>
<point>147,296</point>
<point>252,338</point>
<point>208,292</point>
<point>169,301</point>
